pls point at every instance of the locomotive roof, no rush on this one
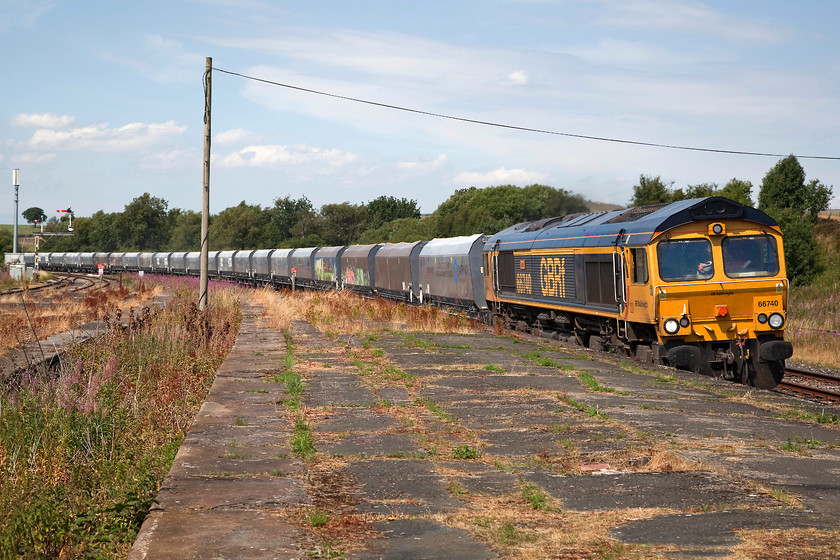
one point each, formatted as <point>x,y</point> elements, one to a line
<point>630,226</point>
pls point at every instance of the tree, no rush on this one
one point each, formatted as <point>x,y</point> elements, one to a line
<point>284,216</point>
<point>342,224</point>
<point>783,186</point>
<point>650,190</point>
<point>386,209</point>
<point>738,190</point>
<point>491,209</point>
<point>104,235</point>
<point>795,205</point>
<point>6,242</point>
<point>561,203</point>
<point>186,230</point>
<point>238,227</point>
<point>143,226</point>
<point>694,191</point>
<point>33,214</point>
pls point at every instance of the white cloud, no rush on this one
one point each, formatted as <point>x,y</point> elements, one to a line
<point>101,137</point>
<point>31,158</point>
<point>270,155</point>
<point>174,159</point>
<point>501,176</point>
<point>42,120</point>
<point>234,136</point>
<point>687,16</point>
<point>430,165</point>
<point>22,13</point>
<point>518,78</point>
<point>163,61</point>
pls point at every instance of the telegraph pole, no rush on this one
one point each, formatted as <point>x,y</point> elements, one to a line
<point>205,199</point>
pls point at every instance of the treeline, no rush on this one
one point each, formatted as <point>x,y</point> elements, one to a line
<point>148,224</point>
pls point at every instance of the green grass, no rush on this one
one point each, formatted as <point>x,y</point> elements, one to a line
<point>466,452</point>
<point>302,442</point>
<point>433,407</point>
<point>583,407</point>
<point>535,495</point>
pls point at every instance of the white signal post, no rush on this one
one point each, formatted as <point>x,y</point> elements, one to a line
<point>69,213</point>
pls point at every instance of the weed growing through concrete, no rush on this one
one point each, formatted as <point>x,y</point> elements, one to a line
<point>302,442</point>
<point>589,380</point>
<point>535,496</point>
<point>583,407</point>
<point>317,517</point>
<point>466,452</point>
<point>433,407</point>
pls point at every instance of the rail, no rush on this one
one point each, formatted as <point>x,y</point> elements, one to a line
<point>824,387</point>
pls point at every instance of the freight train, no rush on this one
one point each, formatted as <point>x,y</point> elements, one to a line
<point>697,284</point>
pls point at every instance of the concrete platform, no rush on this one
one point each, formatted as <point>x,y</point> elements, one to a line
<point>467,447</point>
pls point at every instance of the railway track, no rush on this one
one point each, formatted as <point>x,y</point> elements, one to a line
<point>72,282</point>
<point>823,387</point>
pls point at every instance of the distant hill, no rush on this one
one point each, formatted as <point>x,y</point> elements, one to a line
<point>601,206</point>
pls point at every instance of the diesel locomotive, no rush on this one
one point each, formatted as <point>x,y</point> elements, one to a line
<point>697,284</point>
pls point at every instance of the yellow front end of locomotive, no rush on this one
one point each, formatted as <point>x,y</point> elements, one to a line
<point>720,284</point>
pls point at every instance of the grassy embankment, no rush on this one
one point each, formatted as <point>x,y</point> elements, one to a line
<point>814,311</point>
<point>83,452</point>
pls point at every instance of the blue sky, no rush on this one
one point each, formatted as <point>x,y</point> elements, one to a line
<point>100,105</point>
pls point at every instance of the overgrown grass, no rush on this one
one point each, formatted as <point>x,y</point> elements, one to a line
<point>22,320</point>
<point>349,313</point>
<point>813,321</point>
<point>83,451</point>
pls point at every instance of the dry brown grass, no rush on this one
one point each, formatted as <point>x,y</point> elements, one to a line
<point>349,313</point>
<point>27,316</point>
<point>789,544</point>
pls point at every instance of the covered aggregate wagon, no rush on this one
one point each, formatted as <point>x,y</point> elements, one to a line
<point>397,270</point>
<point>450,272</point>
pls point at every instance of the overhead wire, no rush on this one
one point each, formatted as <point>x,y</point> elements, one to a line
<point>521,128</point>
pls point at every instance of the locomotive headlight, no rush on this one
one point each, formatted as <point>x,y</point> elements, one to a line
<point>762,318</point>
<point>776,320</point>
<point>672,326</point>
<point>684,322</point>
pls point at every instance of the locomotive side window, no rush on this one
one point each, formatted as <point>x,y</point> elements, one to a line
<point>685,259</point>
<point>750,256</point>
<point>640,270</point>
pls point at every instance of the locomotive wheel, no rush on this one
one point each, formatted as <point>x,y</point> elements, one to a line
<point>596,343</point>
<point>766,375</point>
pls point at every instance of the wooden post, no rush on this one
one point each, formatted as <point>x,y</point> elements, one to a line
<point>205,199</point>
